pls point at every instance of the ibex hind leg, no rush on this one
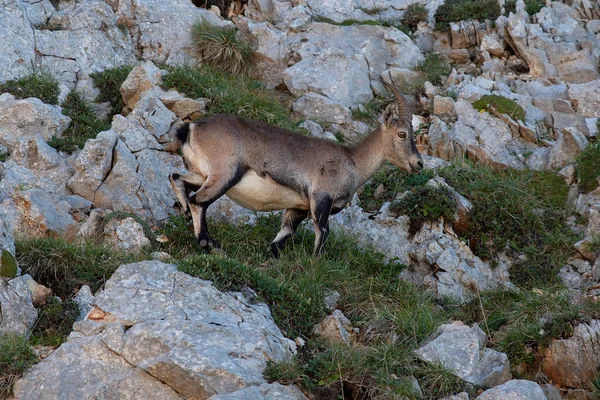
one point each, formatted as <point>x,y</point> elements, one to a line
<point>320,209</point>
<point>290,221</point>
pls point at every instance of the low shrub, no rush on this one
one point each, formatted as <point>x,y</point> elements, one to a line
<point>221,47</point>
<point>500,104</point>
<point>588,167</point>
<point>38,84</point>
<point>531,6</point>
<point>425,203</point>
<point>462,10</point>
<point>109,83</point>
<point>84,124</point>
<point>414,14</point>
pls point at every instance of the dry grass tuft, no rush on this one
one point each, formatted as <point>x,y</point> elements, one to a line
<point>221,48</point>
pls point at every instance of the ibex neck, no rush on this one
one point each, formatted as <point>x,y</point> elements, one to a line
<point>368,156</point>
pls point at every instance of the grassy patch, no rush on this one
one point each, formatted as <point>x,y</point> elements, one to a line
<point>519,211</point>
<point>521,323</point>
<point>500,104</point>
<point>229,94</point>
<point>15,357</point>
<point>84,124</point>
<point>531,6</point>
<point>38,84</point>
<point>393,181</point>
<point>462,10</point>
<point>588,167</point>
<point>3,157</point>
<point>64,266</point>
<point>221,47</point>
<point>414,14</point>
<point>435,67</point>
<point>370,111</point>
<point>424,204</point>
<point>55,323</point>
<point>109,83</point>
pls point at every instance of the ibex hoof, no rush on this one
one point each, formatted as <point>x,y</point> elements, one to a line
<point>208,243</point>
<point>274,249</point>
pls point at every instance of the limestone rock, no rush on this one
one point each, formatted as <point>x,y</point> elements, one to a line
<point>321,108</point>
<point>266,391</point>
<point>587,98</point>
<point>141,79</point>
<point>462,350</point>
<point>570,143</point>
<point>335,328</point>
<point>574,362</point>
<point>156,332</point>
<point>516,389</point>
<point>29,118</point>
<point>17,45</point>
<point>93,164</point>
<point>126,234</point>
<point>85,301</point>
<point>18,313</point>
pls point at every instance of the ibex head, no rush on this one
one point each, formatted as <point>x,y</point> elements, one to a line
<point>399,142</point>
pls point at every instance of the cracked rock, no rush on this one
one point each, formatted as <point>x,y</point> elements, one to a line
<point>17,313</point>
<point>156,332</point>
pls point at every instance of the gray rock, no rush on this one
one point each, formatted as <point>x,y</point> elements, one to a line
<point>85,301</point>
<point>134,135</point>
<point>266,391</point>
<point>567,147</point>
<point>335,328</point>
<point>574,361</point>
<point>141,79</point>
<point>516,389</point>
<point>587,97</point>
<point>126,234</point>
<point>152,114</point>
<point>462,350</point>
<point>36,213</point>
<point>18,313</point>
<point>159,333</point>
<point>17,44</point>
<point>156,36</point>
<point>337,10</point>
<point>29,118</point>
<point>551,392</point>
<point>93,164</point>
<point>321,108</point>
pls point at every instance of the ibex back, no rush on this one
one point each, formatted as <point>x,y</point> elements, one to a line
<point>266,168</point>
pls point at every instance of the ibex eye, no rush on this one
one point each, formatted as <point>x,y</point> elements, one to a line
<point>402,135</point>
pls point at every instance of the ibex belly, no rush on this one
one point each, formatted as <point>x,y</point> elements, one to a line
<point>264,194</point>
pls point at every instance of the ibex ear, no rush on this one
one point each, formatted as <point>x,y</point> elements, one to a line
<point>390,115</point>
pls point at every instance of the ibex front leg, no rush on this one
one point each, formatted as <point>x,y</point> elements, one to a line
<point>320,208</point>
<point>213,188</point>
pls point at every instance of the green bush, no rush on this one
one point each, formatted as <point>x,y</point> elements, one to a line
<point>434,68</point>
<point>229,95</point>
<point>393,181</point>
<point>39,84</point>
<point>425,203</point>
<point>84,124</point>
<point>531,6</point>
<point>588,167</point>
<point>502,105</point>
<point>109,83</point>
<point>16,356</point>
<point>415,13</point>
<point>221,47</point>
<point>462,10</point>
<point>522,211</point>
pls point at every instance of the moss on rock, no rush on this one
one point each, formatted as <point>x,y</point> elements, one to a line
<point>8,264</point>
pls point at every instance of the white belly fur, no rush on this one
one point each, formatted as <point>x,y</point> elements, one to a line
<point>264,194</point>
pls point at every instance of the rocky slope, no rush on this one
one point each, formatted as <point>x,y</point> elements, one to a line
<point>545,63</point>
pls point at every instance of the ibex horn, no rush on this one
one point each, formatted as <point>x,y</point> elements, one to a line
<point>403,107</point>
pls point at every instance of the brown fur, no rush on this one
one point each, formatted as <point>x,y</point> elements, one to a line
<point>265,168</point>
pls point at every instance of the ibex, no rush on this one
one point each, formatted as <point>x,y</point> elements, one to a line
<point>267,168</point>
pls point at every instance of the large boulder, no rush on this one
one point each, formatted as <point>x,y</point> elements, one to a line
<point>517,389</point>
<point>18,313</point>
<point>462,350</point>
<point>159,333</point>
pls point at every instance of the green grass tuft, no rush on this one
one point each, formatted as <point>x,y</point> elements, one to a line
<point>64,266</point>
<point>462,10</point>
<point>502,105</point>
<point>229,95</point>
<point>84,124</point>
<point>221,47</point>
<point>109,83</point>
<point>588,167</point>
<point>38,84</point>
<point>514,211</point>
<point>415,13</point>
<point>425,203</point>
<point>16,356</point>
<point>54,323</point>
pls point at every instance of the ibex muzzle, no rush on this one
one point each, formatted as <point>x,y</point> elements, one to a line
<point>266,168</point>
